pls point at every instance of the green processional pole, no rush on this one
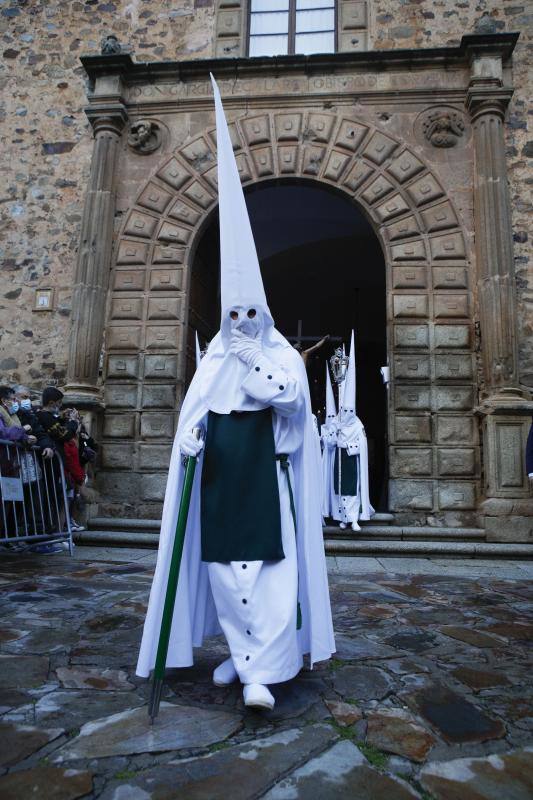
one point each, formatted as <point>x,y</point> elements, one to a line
<point>172,585</point>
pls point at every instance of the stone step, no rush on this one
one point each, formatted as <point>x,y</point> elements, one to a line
<point>359,547</point>
<point>125,523</point>
<point>362,545</point>
<point>407,533</point>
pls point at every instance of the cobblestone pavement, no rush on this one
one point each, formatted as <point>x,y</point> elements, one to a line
<point>428,696</point>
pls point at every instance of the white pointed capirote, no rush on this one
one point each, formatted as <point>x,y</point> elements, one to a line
<point>241,284</point>
<point>331,408</point>
<point>342,384</point>
<point>198,351</point>
<point>347,410</point>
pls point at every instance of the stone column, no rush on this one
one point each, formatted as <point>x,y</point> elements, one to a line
<point>505,408</point>
<point>494,241</point>
<point>94,255</point>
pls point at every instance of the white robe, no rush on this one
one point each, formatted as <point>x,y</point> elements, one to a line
<point>261,633</point>
<point>195,614</point>
<point>256,601</point>
<point>329,442</point>
<point>352,508</point>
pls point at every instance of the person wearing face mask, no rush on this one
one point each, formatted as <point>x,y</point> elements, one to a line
<point>30,421</point>
<point>11,429</point>
<point>59,430</point>
<point>37,515</point>
<point>253,564</point>
<point>11,426</point>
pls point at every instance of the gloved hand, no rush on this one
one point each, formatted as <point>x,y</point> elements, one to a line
<point>247,349</point>
<point>190,445</point>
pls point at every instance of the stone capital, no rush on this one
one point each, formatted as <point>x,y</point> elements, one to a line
<point>514,401</point>
<point>487,99</point>
<point>111,117</point>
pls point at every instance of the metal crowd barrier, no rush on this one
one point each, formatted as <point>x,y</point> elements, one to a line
<point>33,498</point>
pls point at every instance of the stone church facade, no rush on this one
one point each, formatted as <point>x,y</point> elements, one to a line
<point>414,131</point>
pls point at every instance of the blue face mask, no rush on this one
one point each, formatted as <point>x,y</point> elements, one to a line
<point>13,408</point>
<point>26,404</point>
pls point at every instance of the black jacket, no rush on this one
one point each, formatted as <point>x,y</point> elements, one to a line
<point>58,429</point>
<point>30,418</point>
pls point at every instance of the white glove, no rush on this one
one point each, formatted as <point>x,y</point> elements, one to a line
<point>190,445</point>
<point>247,349</point>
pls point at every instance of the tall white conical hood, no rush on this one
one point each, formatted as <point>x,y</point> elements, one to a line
<point>222,373</point>
<point>348,412</point>
<point>331,409</point>
<point>342,384</point>
<point>241,284</point>
<point>198,351</point>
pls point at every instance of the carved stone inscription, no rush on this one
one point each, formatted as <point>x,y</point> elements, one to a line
<point>301,85</point>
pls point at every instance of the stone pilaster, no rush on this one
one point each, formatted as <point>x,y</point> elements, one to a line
<point>94,254</point>
<point>505,408</point>
<point>494,241</point>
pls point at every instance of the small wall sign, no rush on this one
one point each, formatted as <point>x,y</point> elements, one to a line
<point>44,300</point>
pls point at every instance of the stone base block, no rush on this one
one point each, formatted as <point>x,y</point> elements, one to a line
<point>509,529</point>
<point>508,520</point>
<point>137,511</point>
<point>443,519</point>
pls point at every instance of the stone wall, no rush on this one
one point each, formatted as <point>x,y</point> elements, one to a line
<point>46,145</point>
<point>46,141</point>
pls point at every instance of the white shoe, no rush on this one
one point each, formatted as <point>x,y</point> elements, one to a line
<point>225,673</point>
<point>342,525</point>
<point>355,526</point>
<point>257,696</point>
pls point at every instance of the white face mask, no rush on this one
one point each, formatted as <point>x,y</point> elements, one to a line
<point>249,321</point>
<point>26,404</point>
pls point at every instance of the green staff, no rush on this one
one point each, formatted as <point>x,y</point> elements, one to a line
<point>172,585</point>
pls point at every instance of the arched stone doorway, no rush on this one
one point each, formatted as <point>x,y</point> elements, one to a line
<point>432,430</point>
<point>324,272</point>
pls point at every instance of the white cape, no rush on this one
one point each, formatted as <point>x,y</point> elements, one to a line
<point>352,508</point>
<point>195,614</point>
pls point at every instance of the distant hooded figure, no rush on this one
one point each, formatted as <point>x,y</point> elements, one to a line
<point>253,565</point>
<point>350,500</point>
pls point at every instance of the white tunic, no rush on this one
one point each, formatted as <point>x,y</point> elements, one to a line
<point>256,601</point>
<point>261,632</point>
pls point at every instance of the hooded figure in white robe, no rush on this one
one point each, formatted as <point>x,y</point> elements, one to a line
<point>260,579</point>
<point>349,477</point>
<point>329,444</point>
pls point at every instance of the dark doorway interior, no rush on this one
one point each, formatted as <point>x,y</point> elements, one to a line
<point>324,273</point>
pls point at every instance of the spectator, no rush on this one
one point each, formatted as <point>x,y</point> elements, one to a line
<point>30,422</point>
<point>88,447</point>
<point>74,472</point>
<point>10,425</point>
<point>60,428</point>
<point>13,430</point>
<point>57,428</point>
